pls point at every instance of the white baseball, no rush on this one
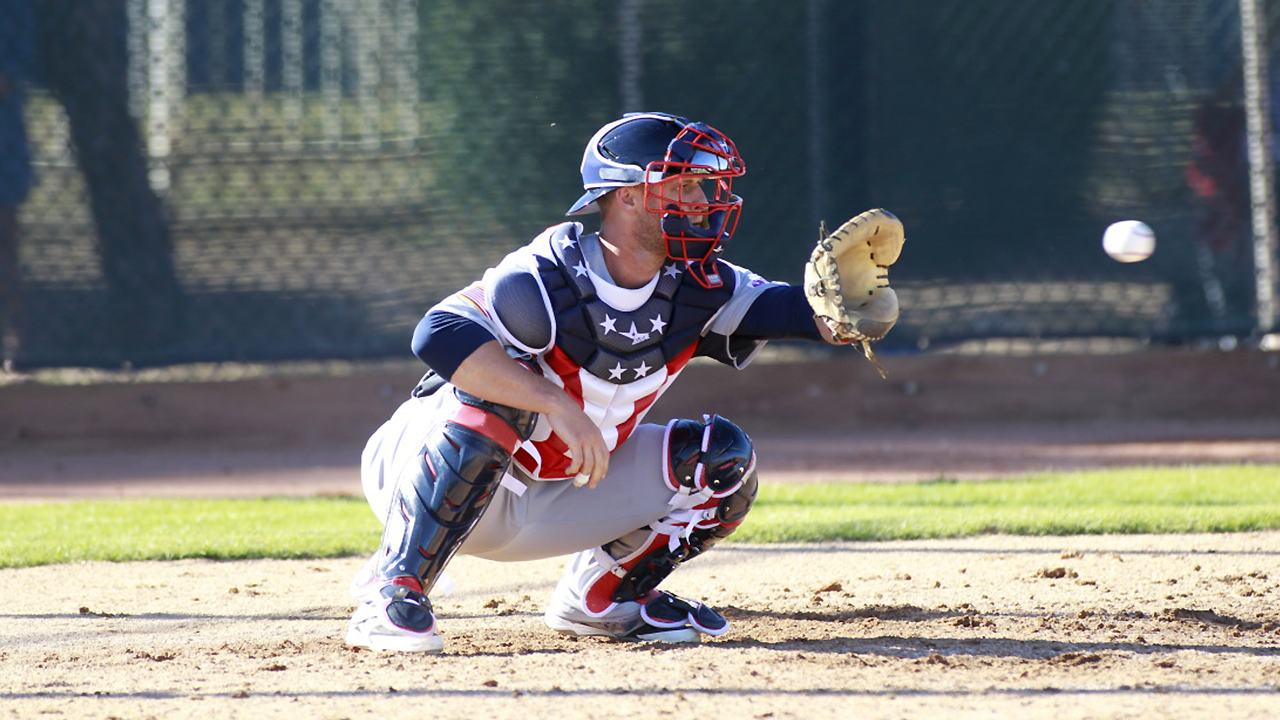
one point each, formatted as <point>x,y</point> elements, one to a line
<point>1129,241</point>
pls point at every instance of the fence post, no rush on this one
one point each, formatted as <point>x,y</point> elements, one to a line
<point>630,39</point>
<point>818,53</point>
<point>1257,96</point>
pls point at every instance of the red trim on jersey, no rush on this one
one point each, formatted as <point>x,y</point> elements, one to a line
<point>567,369</point>
<point>525,460</point>
<point>555,458</point>
<point>628,426</point>
<point>678,362</point>
<point>642,405</point>
<point>553,451</point>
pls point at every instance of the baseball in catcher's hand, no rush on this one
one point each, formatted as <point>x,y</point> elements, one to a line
<point>847,277</point>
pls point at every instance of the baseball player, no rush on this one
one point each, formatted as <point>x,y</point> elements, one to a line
<point>526,438</point>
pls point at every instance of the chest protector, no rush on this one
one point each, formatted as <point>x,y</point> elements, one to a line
<point>559,306</point>
<point>615,361</point>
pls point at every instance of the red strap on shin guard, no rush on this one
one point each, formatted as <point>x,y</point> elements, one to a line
<point>598,598</point>
<point>409,582</point>
<point>487,424</point>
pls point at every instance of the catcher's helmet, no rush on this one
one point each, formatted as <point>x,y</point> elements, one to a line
<point>648,148</point>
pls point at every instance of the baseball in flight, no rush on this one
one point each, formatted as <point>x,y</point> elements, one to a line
<point>1129,241</point>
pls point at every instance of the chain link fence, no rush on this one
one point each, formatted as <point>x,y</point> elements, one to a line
<point>261,180</point>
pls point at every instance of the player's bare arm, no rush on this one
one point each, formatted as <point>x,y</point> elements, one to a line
<point>490,373</point>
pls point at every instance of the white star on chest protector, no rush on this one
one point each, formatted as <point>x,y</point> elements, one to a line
<point>580,269</point>
<point>608,324</point>
<point>643,370</point>
<point>671,270</point>
<point>658,324</point>
<point>615,372</point>
<point>567,242</point>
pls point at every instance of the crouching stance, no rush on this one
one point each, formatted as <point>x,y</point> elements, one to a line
<point>548,454</point>
<point>685,486</point>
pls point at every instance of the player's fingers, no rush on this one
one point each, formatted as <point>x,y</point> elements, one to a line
<point>575,463</point>
<point>598,469</point>
<point>583,473</point>
<point>600,464</point>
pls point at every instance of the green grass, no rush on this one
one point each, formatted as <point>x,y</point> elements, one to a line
<point>120,530</point>
<point>1224,498</point>
<point>1231,498</point>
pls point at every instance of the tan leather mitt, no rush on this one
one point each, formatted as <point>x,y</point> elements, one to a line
<point>847,278</point>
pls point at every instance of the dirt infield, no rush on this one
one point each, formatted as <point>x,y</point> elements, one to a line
<point>1038,628</point>
<point>1175,627</point>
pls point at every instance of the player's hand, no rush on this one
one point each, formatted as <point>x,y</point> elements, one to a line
<point>491,374</point>
<point>586,444</point>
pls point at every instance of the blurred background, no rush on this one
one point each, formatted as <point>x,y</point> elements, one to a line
<point>223,181</point>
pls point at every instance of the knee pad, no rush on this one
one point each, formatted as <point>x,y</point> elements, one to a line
<point>710,457</point>
<point>460,466</point>
<point>710,465</point>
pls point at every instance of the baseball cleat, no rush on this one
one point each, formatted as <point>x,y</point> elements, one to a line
<point>665,610</point>
<point>634,631</point>
<point>652,620</point>
<point>396,619</point>
<point>366,583</point>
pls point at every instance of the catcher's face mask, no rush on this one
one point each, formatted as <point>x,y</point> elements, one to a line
<point>697,217</point>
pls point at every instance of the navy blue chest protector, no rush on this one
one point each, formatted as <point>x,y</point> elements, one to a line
<point>616,346</point>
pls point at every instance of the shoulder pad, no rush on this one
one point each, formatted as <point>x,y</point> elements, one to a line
<point>521,308</point>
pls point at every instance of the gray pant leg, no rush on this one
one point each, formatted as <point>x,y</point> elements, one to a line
<point>559,518</point>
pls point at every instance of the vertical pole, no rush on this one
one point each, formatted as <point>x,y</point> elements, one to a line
<point>630,55</point>
<point>817,88</point>
<point>1257,97</point>
<point>331,72</point>
<point>218,32</point>
<point>140,31</point>
<point>165,71</point>
<point>176,77</point>
<point>365,25</point>
<point>405,26</point>
<point>255,61</point>
<point>291,31</point>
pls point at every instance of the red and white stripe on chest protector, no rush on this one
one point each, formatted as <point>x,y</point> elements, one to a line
<point>615,409</point>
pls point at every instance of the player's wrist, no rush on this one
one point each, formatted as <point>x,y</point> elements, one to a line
<point>558,404</point>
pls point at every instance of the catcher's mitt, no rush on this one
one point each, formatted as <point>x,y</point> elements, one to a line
<point>847,279</point>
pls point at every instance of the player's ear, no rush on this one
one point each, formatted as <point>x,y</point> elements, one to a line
<point>629,196</point>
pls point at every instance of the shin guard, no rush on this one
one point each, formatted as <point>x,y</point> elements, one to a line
<point>461,465</point>
<point>711,466</point>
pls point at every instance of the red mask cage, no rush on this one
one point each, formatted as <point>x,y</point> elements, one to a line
<point>696,219</point>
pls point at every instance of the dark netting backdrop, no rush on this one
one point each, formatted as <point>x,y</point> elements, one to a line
<point>261,180</point>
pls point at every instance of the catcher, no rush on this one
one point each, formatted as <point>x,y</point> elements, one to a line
<point>525,438</point>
